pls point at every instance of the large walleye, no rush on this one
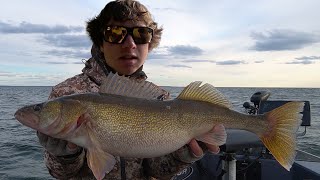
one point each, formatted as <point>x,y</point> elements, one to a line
<point>125,119</point>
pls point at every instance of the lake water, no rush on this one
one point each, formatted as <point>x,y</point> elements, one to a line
<point>21,153</point>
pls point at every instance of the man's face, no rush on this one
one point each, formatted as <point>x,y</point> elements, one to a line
<point>127,57</point>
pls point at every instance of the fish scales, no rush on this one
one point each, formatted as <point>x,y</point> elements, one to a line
<point>128,122</point>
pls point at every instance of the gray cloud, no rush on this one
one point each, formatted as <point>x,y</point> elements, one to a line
<point>184,50</point>
<point>301,62</point>
<point>53,36</point>
<point>198,61</point>
<point>278,40</point>
<point>305,60</point>
<point>308,58</point>
<point>27,28</point>
<point>179,66</point>
<point>261,61</point>
<point>155,55</point>
<point>178,51</point>
<point>7,74</point>
<point>69,54</point>
<point>35,79</point>
<point>230,62</point>
<point>56,62</point>
<point>71,41</point>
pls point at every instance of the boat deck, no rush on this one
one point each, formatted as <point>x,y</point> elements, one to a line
<point>305,156</point>
<point>308,163</point>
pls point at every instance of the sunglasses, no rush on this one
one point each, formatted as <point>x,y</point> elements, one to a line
<point>117,34</point>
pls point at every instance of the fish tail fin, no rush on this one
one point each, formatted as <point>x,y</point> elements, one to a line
<point>280,139</point>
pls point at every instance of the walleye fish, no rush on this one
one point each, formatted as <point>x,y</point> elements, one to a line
<point>125,119</point>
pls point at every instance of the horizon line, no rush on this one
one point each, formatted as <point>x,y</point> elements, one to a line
<point>185,86</point>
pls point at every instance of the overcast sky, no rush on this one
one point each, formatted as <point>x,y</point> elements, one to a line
<point>262,43</point>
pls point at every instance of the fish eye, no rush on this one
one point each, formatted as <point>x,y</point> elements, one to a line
<point>37,107</point>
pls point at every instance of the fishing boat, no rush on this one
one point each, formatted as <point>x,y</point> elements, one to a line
<point>244,157</point>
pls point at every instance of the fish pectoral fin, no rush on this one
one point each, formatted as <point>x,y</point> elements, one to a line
<point>216,136</point>
<point>100,162</point>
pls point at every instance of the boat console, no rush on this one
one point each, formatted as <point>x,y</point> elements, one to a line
<point>244,155</point>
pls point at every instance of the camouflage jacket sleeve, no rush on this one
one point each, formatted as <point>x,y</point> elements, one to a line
<point>75,85</point>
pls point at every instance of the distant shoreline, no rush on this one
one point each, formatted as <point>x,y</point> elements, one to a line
<point>22,86</point>
<point>183,87</point>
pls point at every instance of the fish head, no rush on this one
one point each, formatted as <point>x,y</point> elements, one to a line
<point>55,117</point>
<point>39,116</point>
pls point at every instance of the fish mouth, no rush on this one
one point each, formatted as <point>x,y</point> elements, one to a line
<point>32,120</point>
<point>27,119</point>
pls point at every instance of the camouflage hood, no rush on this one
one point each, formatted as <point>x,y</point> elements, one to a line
<point>96,67</point>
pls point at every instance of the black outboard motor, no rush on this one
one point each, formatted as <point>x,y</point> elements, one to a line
<point>256,98</point>
<point>259,96</point>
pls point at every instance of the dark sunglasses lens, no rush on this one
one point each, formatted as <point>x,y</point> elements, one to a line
<point>142,35</point>
<point>115,34</point>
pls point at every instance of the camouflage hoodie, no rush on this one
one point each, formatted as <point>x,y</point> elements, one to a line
<point>75,166</point>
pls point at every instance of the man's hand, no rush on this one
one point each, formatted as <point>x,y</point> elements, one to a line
<point>193,151</point>
<point>57,147</point>
<point>198,151</point>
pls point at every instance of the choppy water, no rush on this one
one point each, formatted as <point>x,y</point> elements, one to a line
<point>21,153</point>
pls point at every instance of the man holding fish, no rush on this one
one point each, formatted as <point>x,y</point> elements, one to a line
<point>99,124</point>
<point>123,34</point>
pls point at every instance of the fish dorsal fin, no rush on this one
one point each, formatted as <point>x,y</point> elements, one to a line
<point>206,93</point>
<point>130,87</point>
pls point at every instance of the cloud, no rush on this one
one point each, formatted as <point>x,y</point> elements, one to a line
<point>308,58</point>
<point>230,62</point>
<point>13,74</point>
<point>278,40</point>
<point>27,28</point>
<point>184,50</point>
<point>56,62</point>
<point>305,60</point>
<point>171,52</point>
<point>35,79</point>
<point>69,54</point>
<point>67,40</point>
<point>6,74</point>
<point>301,62</point>
<point>157,55</point>
<point>179,66</point>
<point>260,61</point>
<point>198,61</point>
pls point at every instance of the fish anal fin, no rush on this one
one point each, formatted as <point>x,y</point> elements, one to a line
<point>206,93</point>
<point>216,136</point>
<point>130,87</point>
<point>100,162</point>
